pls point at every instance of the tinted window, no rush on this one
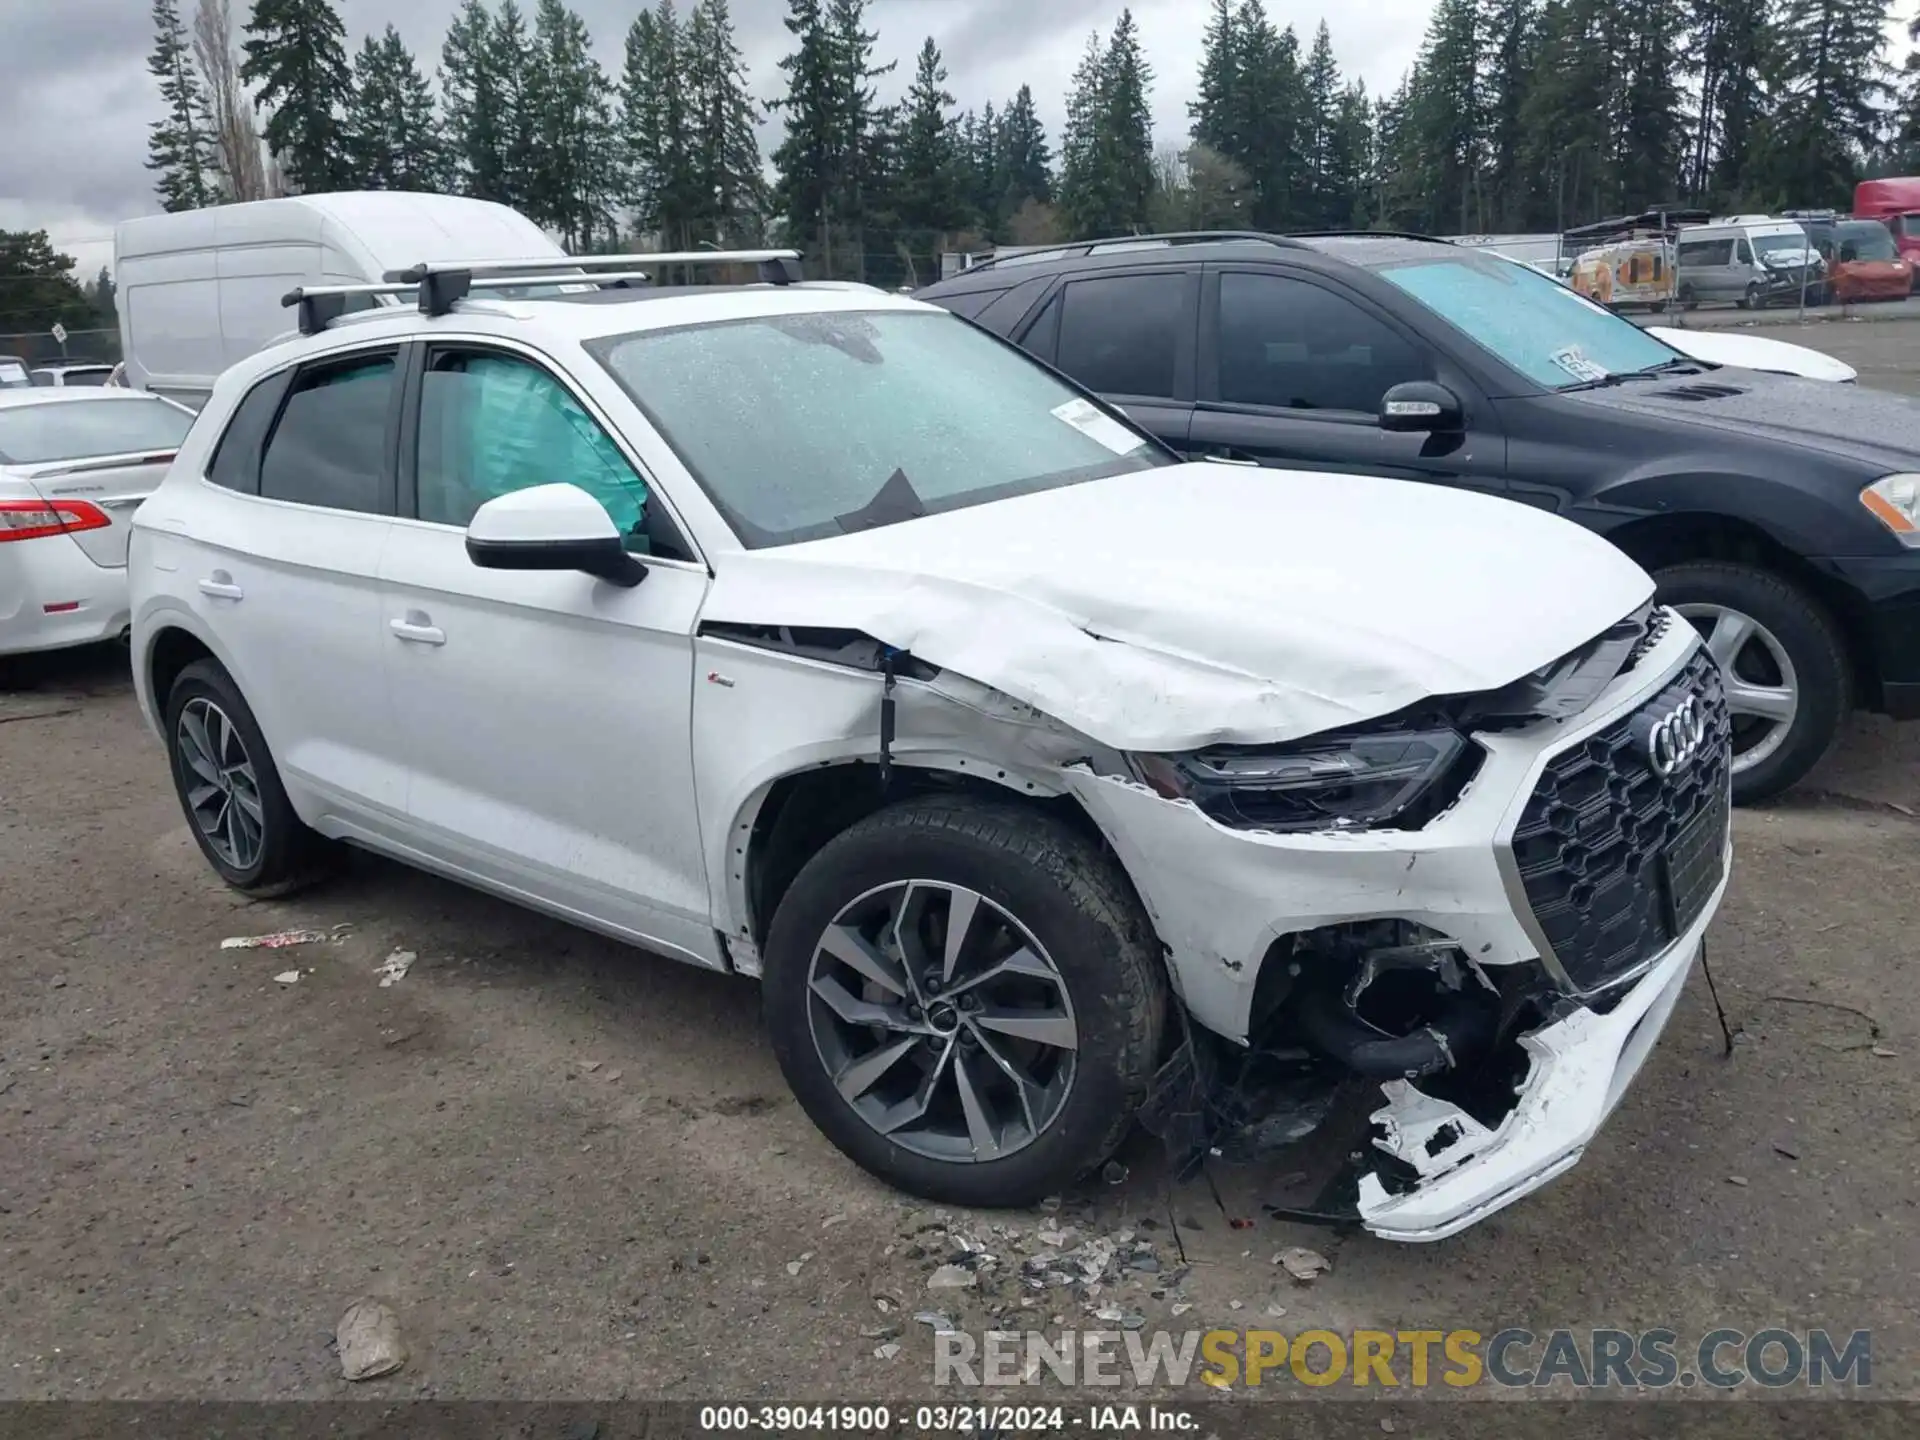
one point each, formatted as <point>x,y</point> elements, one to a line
<point>1118,335</point>
<point>236,459</point>
<point>491,424</point>
<point>1743,253</point>
<point>1293,345</point>
<point>845,420</point>
<point>972,303</point>
<point>81,429</point>
<point>1706,252</point>
<point>330,446</point>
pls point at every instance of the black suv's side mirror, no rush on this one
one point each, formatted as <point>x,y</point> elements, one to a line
<point>1421,407</point>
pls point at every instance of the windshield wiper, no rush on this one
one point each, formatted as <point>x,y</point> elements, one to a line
<point>893,502</point>
<point>1679,364</point>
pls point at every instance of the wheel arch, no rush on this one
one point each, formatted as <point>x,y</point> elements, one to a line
<point>1655,542</point>
<point>166,643</point>
<point>786,820</point>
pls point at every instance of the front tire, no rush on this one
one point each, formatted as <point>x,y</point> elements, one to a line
<point>1784,663</point>
<point>229,787</point>
<point>967,998</point>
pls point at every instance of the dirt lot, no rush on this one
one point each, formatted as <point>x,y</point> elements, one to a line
<point>573,1169</point>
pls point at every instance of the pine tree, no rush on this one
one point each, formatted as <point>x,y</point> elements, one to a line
<point>391,124</point>
<point>297,61</point>
<point>1829,77</point>
<point>475,132</point>
<point>1509,41</point>
<point>1904,143</point>
<point>927,193</point>
<point>1350,159</point>
<point>1025,161</point>
<point>1322,91</point>
<point>1650,134</point>
<point>724,123</point>
<point>871,131</point>
<point>656,139</point>
<point>1569,115</point>
<point>1218,110</point>
<point>1444,115</point>
<point>575,188</point>
<point>1107,175</point>
<point>1728,58</point>
<point>37,288</point>
<point>810,158</point>
<point>180,144</point>
<point>518,77</point>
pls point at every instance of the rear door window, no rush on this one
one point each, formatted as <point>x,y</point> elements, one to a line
<point>329,447</point>
<point>1120,334</point>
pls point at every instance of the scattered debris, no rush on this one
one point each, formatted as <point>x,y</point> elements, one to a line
<point>59,982</point>
<point>951,1277</point>
<point>886,1302</point>
<point>1882,1052</point>
<point>287,977</point>
<point>826,1224</point>
<point>880,1332</point>
<point>887,1351</point>
<point>1739,1180</point>
<point>1786,1150</point>
<point>1276,1309</point>
<point>279,940</point>
<point>1386,1426</point>
<point>1238,1222</point>
<point>394,968</point>
<point>1235,1305</point>
<point>368,1339</point>
<point>589,1066</point>
<point>613,1075</point>
<point>794,1267</point>
<point>1050,1204</point>
<point>1302,1264</point>
<point>942,1324</point>
<point>1180,1307</point>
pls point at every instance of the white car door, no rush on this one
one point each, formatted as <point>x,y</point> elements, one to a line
<point>280,556</point>
<point>546,716</point>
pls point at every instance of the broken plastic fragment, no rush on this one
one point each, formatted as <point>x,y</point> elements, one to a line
<point>279,940</point>
<point>395,967</point>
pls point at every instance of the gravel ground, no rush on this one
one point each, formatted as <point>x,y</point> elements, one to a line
<point>573,1170</point>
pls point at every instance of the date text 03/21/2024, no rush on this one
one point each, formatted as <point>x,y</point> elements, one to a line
<point>948,1419</point>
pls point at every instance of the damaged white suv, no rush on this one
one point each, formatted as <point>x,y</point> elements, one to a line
<point>810,633</point>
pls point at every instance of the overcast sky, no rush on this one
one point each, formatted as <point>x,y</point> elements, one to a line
<point>76,99</point>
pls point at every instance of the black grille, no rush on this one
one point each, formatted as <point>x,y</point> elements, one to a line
<point>1593,844</point>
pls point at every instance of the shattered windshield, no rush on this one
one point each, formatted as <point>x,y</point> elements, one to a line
<point>809,425</point>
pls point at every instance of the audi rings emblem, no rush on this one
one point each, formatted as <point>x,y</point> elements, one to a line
<point>1676,737</point>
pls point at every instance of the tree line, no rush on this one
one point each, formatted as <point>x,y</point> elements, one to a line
<point>1518,115</point>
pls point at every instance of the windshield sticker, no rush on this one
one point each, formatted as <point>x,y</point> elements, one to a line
<point>1098,426</point>
<point>1578,365</point>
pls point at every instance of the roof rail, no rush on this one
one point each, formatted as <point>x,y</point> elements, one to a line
<point>1127,242</point>
<point>1342,234</point>
<point>443,283</point>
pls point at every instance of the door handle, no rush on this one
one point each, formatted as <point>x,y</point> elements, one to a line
<point>415,630</point>
<point>220,586</point>
<point>1227,455</point>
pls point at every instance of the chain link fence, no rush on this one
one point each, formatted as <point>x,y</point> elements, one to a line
<point>40,347</point>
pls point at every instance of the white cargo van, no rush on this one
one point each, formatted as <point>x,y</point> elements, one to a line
<point>199,290</point>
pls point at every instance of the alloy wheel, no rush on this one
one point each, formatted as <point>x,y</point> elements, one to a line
<point>1763,690</point>
<point>944,1024</point>
<point>223,791</point>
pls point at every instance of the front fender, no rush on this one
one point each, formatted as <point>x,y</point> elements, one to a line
<point>760,716</point>
<point>1804,521</point>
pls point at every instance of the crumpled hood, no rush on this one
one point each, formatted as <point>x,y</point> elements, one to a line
<point>1172,608</point>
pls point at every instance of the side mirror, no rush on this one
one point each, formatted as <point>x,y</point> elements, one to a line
<point>551,527</point>
<point>1849,251</point>
<point>1421,407</point>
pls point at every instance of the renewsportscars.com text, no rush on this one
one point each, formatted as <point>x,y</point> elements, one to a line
<point>1772,1358</point>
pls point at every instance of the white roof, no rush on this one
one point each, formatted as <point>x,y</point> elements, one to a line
<point>60,395</point>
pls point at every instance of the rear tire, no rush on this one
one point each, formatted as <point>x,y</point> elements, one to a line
<point>971,1134</point>
<point>237,810</point>
<point>1772,638</point>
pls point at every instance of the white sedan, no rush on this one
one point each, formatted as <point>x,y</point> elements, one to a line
<point>1756,352</point>
<point>74,465</point>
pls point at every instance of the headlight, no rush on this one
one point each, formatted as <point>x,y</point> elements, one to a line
<point>1895,502</point>
<point>1330,782</point>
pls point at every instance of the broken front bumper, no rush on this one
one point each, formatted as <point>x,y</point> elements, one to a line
<point>1221,899</point>
<point>1581,1067</point>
